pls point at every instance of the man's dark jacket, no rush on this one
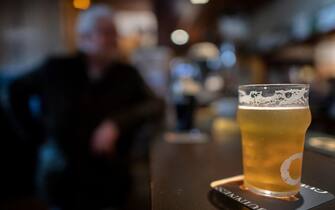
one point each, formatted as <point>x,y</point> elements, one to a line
<point>73,105</point>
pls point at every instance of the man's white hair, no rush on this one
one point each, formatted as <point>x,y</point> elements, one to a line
<point>88,19</point>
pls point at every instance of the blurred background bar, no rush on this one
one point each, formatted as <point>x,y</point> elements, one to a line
<point>193,54</point>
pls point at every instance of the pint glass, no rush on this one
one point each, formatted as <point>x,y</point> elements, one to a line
<point>273,119</point>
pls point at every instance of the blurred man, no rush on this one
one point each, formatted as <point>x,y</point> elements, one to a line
<point>92,107</point>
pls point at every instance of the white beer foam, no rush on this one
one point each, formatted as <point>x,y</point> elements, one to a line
<point>291,97</point>
<point>272,108</point>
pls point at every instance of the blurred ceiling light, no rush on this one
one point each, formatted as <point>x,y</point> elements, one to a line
<point>325,19</point>
<point>204,51</point>
<point>228,58</point>
<point>179,37</point>
<point>234,28</point>
<point>199,1</point>
<point>214,83</point>
<point>81,4</point>
<point>227,46</point>
<point>325,58</point>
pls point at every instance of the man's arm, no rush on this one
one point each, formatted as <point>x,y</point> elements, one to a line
<point>148,109</point>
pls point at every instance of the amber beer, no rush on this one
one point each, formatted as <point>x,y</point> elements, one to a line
<point>273,143</point>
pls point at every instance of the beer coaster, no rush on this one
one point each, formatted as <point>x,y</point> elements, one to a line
<point>227,194</point>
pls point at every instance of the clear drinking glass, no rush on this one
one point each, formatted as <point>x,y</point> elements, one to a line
<point>273,119</point>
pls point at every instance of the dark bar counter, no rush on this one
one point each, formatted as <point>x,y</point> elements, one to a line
<point>181,173</point>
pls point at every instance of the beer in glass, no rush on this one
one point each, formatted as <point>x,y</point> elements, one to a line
<point>273,120</point>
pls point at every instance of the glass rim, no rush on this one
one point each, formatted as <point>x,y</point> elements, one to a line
<point>302,85</point>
